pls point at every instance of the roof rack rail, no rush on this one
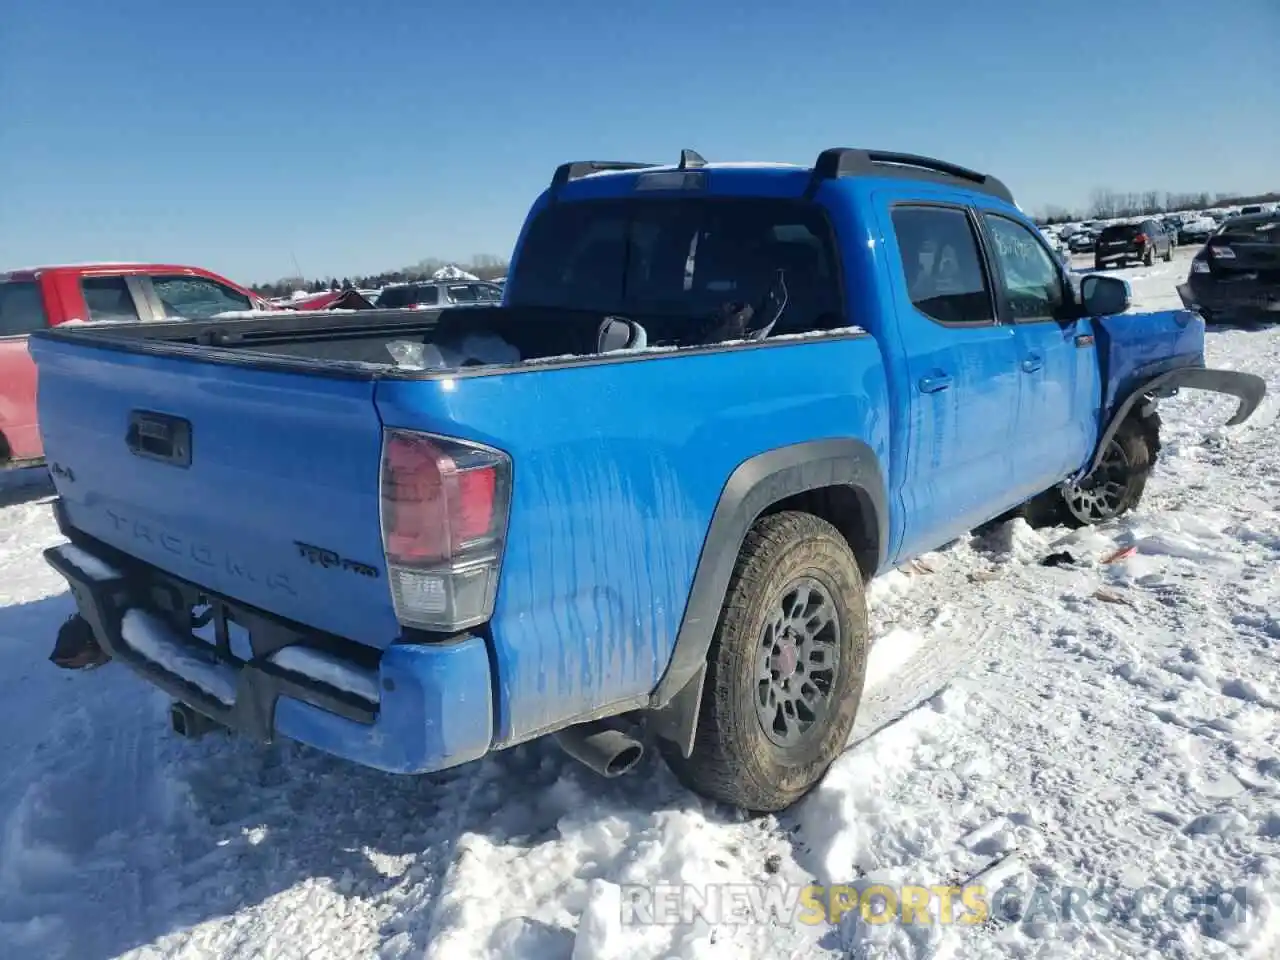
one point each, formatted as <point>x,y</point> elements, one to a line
<point>840,162</point>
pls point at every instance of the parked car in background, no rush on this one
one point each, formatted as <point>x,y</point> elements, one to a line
<point>1141,241</point>
<point>332,300</point>
<point>36,298</point>
<point>1251,209</point>
<point>1237,274</point>
<point>1082,241</point>
<point>426,294</point>
<point>1197,230</point>
<point>1171,226</point>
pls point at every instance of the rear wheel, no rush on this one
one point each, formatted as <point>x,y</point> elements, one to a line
<point>1168,254</point>
<point>1149,257</point>
<point>785,667</point>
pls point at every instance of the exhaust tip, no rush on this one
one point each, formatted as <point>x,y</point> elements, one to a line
<point>189,723</point>
<point>602,746</point>
<point>178,720</point>
<point>624,761</point>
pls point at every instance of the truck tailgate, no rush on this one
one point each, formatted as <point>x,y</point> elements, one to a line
<point>258,485</point>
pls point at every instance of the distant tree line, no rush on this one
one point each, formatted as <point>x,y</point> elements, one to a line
<point>483,265</point>
<point>1105,204</point>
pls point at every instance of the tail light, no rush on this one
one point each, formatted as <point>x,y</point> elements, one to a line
<point>1140,239</point>
<point>1222,253</point>
<point>444,522</point>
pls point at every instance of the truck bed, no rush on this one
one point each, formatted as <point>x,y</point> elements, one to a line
<point>356,345</point>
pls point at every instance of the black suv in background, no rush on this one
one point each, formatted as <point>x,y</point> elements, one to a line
<point>439,293</point>
<point>1237,274</point>
<point>1122,242</point>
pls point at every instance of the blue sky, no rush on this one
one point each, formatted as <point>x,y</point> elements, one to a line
<point>201,132</point>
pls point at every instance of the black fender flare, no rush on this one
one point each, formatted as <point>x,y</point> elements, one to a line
<point>754,486</point>
<point>1246,387</point>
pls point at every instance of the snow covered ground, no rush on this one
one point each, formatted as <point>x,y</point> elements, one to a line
<point>1060,729</point>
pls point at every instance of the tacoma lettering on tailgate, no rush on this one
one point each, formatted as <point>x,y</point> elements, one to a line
<point>200,553</point>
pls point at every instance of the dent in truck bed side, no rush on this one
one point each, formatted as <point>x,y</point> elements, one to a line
<point>617,471</point>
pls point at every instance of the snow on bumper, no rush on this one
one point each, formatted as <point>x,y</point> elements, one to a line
<point>433,707</point>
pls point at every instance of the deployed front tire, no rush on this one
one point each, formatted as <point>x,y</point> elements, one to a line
<point>1116,486</point>
<point>785,667</point>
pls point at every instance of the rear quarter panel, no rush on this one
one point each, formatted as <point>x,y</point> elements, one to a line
<point>618,467</point>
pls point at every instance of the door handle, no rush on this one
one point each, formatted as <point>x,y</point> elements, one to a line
<point>935,383</point>
<point>159,436</point>
<point>1032,363</point>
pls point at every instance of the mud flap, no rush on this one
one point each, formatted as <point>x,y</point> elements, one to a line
<point>76,648</point>
<point>1246,387</point>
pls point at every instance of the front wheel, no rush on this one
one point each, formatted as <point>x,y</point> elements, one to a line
<point>785,668</point>
<point>1116,485</point>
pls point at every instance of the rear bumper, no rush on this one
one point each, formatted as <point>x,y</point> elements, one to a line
<point>433,706</point>
<point>1111,256</point>
<point>1243,299</point>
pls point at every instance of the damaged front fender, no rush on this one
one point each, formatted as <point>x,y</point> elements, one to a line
<point>1246,387</point>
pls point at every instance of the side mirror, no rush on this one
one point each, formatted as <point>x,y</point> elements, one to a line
<point>1103,296</point>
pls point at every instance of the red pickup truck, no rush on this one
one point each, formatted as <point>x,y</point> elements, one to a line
<point>38,297</point>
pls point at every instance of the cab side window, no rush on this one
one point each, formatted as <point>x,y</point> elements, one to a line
<point>942,266</point>
<point>196,298</point>
<point>1029,276</point>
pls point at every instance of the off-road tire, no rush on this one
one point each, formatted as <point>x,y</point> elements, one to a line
<point>733,758</point>
<point>1138,443</point>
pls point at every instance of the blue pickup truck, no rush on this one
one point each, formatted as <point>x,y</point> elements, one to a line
<point>728,396</point>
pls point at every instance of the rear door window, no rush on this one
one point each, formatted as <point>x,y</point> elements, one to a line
<point>196,298</point>
<point>21,308</point>
<point>942,266</point>
<point>463,293</point>
<point>428,296</point>
<point>109,299</point>
<point>393,298</point>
